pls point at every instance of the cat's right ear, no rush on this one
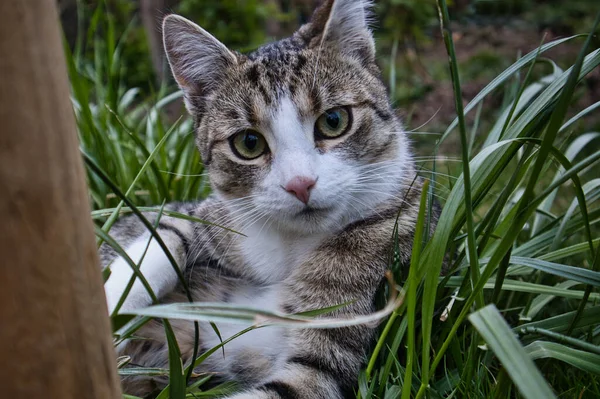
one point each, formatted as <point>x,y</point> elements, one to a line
<point>344,25</point>
<point>198,60</point>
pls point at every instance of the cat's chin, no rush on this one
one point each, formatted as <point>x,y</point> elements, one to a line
<point>311,212</point>
<point>311,220</point>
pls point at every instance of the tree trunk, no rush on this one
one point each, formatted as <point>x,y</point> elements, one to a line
<point>55,335</point>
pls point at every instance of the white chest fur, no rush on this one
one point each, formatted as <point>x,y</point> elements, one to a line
<point>273,255</point>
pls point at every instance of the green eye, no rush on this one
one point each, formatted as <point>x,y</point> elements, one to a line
<point>332,123</point>
<point>248,144</point>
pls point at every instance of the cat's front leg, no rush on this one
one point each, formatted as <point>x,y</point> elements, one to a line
<point>155,267</point>
<point>150,257</point>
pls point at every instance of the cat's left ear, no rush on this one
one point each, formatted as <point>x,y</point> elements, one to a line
<point>344,24</point>
<point>198,60</point>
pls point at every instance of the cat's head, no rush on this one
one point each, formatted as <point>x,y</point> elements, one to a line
<point>299,132</point>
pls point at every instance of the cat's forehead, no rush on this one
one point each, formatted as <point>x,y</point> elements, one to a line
<point>313,79</point>
<point>279,49</point>
<point>278,68</point>
<point>277,71</point>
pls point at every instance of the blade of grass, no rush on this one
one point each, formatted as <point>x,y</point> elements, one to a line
<point>588,293</point>
<point>233,313</point>
<point>564,339</point>
<point>581,359</point>
<point>109,211</point>
<point>524,286</point>
<point>430,287</point>
<point>580,115</point>
<point>519,366</point>
<point>522,88</point>
<point>539,302</point>
<point>113,218</point>
<point>561,322</point>
<point>411,295</point>
<point>453,64</point>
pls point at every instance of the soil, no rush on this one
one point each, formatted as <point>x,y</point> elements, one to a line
<point>436,108</point>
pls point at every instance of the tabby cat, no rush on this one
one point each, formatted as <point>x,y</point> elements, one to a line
<point>308,160</point>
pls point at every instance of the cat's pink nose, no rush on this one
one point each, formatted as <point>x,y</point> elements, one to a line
<point>300,186</point>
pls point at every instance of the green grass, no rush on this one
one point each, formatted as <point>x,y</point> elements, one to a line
<point>519,312</point>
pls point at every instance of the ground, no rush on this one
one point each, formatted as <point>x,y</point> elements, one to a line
<point>483,51</point>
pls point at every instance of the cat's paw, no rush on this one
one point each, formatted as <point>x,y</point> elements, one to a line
<point>153,264</point>
<point>116,285</point>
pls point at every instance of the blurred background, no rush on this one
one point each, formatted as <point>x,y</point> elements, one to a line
<point>489,36</point>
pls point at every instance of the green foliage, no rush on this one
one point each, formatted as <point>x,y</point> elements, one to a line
<point>403,28</point>
<point>149,157</point>
<point>117,16</point>
<point>519,310</point>
<point>238,24</point>
<point>485,64</point>
<point>406,19</point>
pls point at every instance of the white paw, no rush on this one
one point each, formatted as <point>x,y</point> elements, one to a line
<point>115,287</point>
<point>156,269</point>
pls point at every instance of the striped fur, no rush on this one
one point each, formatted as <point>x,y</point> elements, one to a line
<point>293,257</point>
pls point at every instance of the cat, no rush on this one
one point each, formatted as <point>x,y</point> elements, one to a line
<point>307,158</point>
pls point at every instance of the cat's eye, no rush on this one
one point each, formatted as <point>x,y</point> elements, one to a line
<point>332,123</point>
<point>248,144</point>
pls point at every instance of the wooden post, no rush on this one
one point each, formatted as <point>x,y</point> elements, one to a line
<point>54,329</point>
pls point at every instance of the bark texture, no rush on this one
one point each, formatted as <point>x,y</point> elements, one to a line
<point>55,337</point>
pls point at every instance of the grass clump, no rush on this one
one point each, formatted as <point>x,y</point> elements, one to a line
<point>517,315</point>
